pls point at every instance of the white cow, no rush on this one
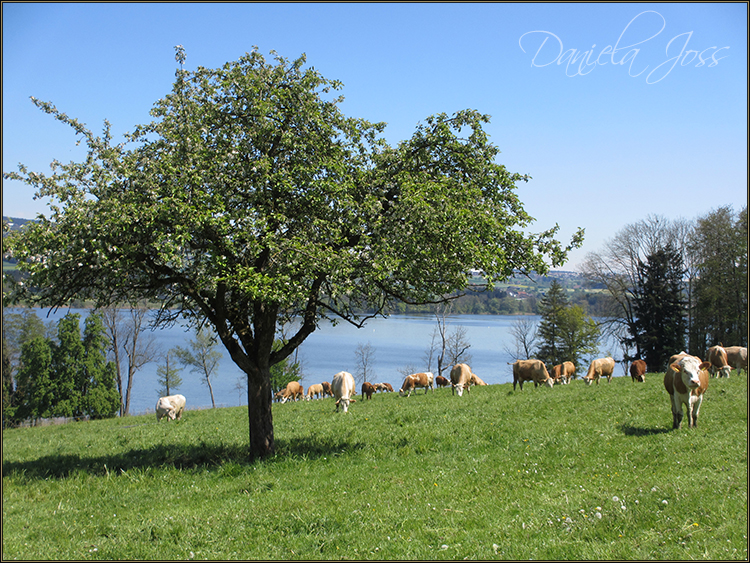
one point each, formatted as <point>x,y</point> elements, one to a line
<point>686,380</point>
<point>171,407</point>
<point>343,389</point>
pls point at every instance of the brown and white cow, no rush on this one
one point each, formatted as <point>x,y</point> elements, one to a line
<point>313,391</point>
<point>411,382</point>
<point>460,379</point>
<point>717,357</point>
<point>563,373</point>
<point>170,406</point>
<point>327,391</point>
<point>638,371</point>
<point>686,381</point>
<point>440,381</point>
<point>293,390</point>
<point>343,390</point>
<point>531,370</point>
<point>388,387</point>
<point>367,389</point>
<point>602,367</point>
<point>737,358</point>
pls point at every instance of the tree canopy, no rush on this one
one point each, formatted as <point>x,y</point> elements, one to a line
<point>251,200</point>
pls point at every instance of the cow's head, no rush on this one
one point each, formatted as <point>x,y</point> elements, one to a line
<point>688,369</point>
<point>549,382</point>
<point>460,389</point>
<point>588,380</point>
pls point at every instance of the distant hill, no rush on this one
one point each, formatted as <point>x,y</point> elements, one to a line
<point>15,223</point>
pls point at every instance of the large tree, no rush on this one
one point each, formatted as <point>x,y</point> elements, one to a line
<point>660,326</point>
<point>251,200</point>
<point>565,334</point>
<point>719,304</point>
<point>615,268</point>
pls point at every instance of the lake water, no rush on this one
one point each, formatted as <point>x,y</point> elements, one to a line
<point>399,341</point>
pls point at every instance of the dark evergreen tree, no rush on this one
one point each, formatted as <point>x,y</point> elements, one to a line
<point>67,367</point>
<point>35,391</point>
<point>100,397</point>
<point>660,324</point>
<point>549,332</point>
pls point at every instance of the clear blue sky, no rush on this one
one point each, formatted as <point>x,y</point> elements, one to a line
<point>606,106</point>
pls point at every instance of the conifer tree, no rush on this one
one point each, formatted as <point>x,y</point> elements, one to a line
<point>551,308</point>
<point>100,398</point>
<point>660,325</point>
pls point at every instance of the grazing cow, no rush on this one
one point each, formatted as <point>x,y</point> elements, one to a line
<point>367,389</point>
<point>343,390</point>
<point>737,358</point>
<point>563,373</point>
<point>415,380</point>
<point>327,392</point>
<point>388,387</point>
<point>686,380</point>
<point>603,367</point>
<point>313,391</point>
<point>531,370</point>
<point>476,380</point>
<point>293,390</point>
<point>171,407</point>
<point>638,371</point>
<point>440,381</point>
<point>460,379</point>
<point>717,357</point>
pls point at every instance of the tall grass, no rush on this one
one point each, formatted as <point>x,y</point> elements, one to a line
<point>573,472</point>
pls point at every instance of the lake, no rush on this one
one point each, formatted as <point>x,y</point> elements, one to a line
<point>399,341</point>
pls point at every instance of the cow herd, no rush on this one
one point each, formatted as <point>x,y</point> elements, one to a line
<point>685,380</point>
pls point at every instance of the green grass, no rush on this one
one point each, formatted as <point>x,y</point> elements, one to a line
<point>496,474</point>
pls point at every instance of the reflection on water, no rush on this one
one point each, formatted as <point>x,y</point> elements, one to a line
<point>399,341</point>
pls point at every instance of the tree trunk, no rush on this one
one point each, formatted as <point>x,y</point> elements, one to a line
<point>211,391</point>
<point>259,399</point>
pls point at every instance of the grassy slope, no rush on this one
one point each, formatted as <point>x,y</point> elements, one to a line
<point>496,474</point>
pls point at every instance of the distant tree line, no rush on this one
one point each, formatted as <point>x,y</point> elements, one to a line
<point>65,375</point>
<point>675,285</point>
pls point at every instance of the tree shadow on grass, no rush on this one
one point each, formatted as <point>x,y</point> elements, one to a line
<point>202,456</point>
<point>629,430</point>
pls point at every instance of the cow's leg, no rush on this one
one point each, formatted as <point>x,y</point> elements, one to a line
<point>676,412</point>
<point>696,407</point>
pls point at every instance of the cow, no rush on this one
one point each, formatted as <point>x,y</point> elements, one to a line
<point>638,371</point>
<point>343,390</point>
<point>686,381</point>
<point>602,367</point>
<point>415,380</point>
<point>562,373</point>
<point>293,390</point>
<point>531,370</point>
<point>367,389</point>
<point>460,379</point>
<point>170,406</point>
<point>440,381</point>
<point>717,357</point>
<point>313,391</point>
<point>278,396</point>
<point>476,380</point>
<point>737,358</point>
<point>327,392</point>
<point>388,387</point>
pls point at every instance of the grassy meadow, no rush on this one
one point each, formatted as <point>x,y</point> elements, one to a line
<point>573,472</point>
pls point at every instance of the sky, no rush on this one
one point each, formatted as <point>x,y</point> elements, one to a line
<point>616,111</point>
